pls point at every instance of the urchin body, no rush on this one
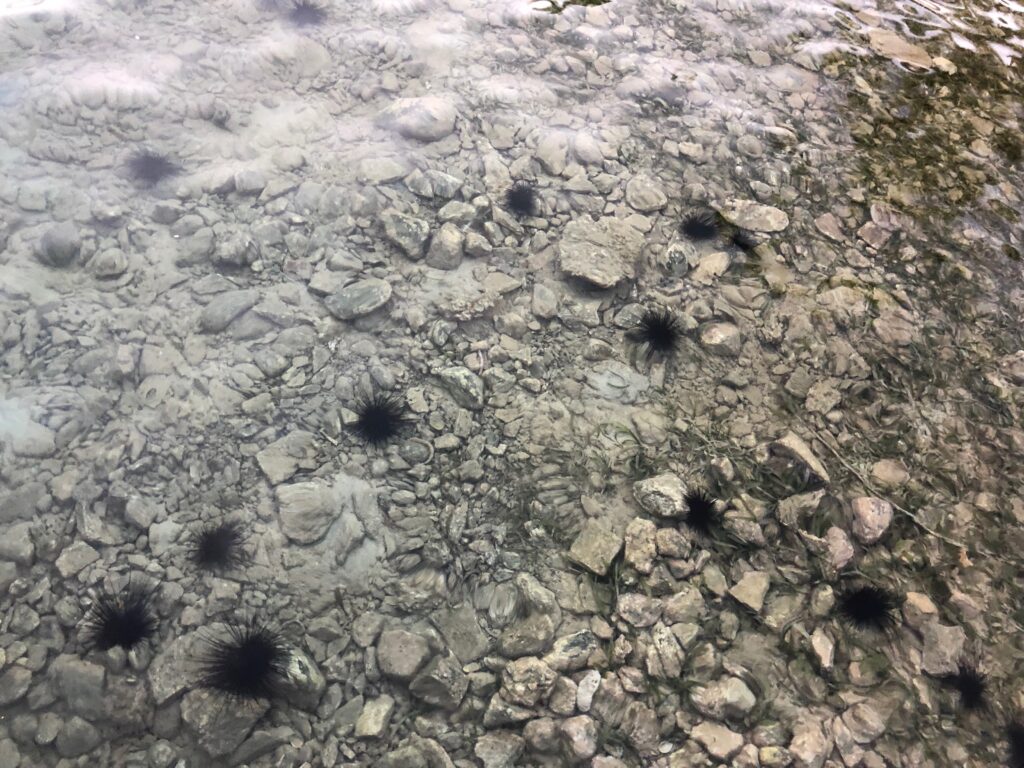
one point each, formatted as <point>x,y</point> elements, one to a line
<point>658,332</point>
<point>307,13</point>
<point>248,664</point>
<point>971,684</point>
<point>379,418</point>
<point>218,546</point>
<point>700,225</point>
<point>702,513</point>
<point>869,607</point>
<point>122,618</point>
<point>521,199</point>
<point>149,168</point>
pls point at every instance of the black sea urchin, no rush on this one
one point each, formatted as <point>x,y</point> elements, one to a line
<point>658,332</point>
<point>1015,738</point>
<point>380,417</point>
<point>248,664</point>
<point>149,168</point>
<point>218,546</point>
<point>868,607</point>
<point>123,618</point>
<point>702,514</point>
<point>521,199</point>
<point>700,225</point>
<point>745,241</point>
<point>307,13</point>
<point>971,684</point>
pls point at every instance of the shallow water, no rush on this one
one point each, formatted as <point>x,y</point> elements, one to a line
<point>513,577</point>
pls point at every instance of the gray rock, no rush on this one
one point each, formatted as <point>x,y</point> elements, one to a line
<point>359,298</point>
<point>729,697</point>
<point>527,681</point>
<point>109,263</point>
<point>164,535</point>
<point>810,745</point>
<point>404,757</point>
<point>77,737</point>
<point>400,654</point>
<point>529,635</point>
<point>723,339</point>
<point>261,742</point>
<point>663,495</point>
<point>284,457</point>
<point>596,546</point>
<point>645,194</point>
<point>169,673</point>
<point>664,654</point>
<point>16,544</point>
<point>219,729</point>
<point>499,749</point>
<point>373,720</point>
<point>871,518</point>
<point>10,756</point>
<point>943,648</point>
<point>864,722</point>
<point>60,245</point>
<point>407,232</point>
<point>224,309</point>
<point>792,447</point>
<point>462,633</point>
<point>441,683</point>
<point>753,216</point>
<point>614,380</point>
<point>74,558</point>
<point>602,252</point>
<point>81,685</point>
<point>14,682</point>
<point>641,548</point>
<point>719,741</point>
<point>552,151</point>
<point>545,302</point>
<point>465,387</point>
<point>751,589</point>
<point>445,250</point>
<point>424,118</point>
<point>306,510</point>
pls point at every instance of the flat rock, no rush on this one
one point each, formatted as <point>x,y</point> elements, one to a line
<point>359,298</point>
<point>499,749</point>
<point>602,252</point>
<point>793,447</point>
<point>887,43</point>
<point>225,309</point>
<point>719,741</point>
<point>306,510</point>
<point>871,518</point>
<point>751,589</point>
<point>441,683</point>
<point>219,729</point>
<point>755,217</point>
<point>407,232</point>
<point>943,648</point>
<point>596,546</point>
<point>465,387</point>
<point>401,654</point>
<point>462,633</point>
<point>284,457</point>
<point>374,718</point>
<point>74,558</point>
<point>722,339</point>
<point>645,194</point>
<point>663,495</point>
<point>424,118</point>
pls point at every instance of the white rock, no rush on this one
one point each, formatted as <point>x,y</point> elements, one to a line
<point>871,518</point>
<point>425,118</point>
<point>753,216</point>
<point>751,589</point>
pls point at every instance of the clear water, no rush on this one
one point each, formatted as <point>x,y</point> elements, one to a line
<point>194,350</point>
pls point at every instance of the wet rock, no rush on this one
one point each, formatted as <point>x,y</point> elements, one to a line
<point>645,194</point>
<point>527,681</point>
<point>719,741</point>
<point>109,263</point>
<point>664,654</point>
<point>685,606</point>
<point>81,685</point>
<point>571,652</point>
<point>283,458</point>
<point>663,495</point>
<point>864,723</point>
<point>751,589</point>
<point>824,648</point>
<point>407,232</point>
<point>499,749</point>
<point>792,447</point>
<point>943,648</point>
<point>616,381</point>
<point>890,473</point>
<point>640,545</point>
<point>16,544</point>
<point>552,151</point>
<point>14,682</point>
<point>60,245</point>
<point>810,745</point>
<point>596,546</point>
<point>445,250</point>
<point>74,558</point>
<point>840,549</point>
<point>638,610</point>
<point>404,757</point>
<point>441,683</point>
<point>465,387</point>
<point>919,610</point>
<point>462,633</point>
<point>400,654</point>
<point>579,737</point>
<point>373,720</point>
<point>755,217</point>
<point>306,511</point>
<point>225,309</point>
<point>168,673</point>
<point>77,737</point>
<point>359,298</point>
<point>218,729</point>
<point>726,698</point>
<point>588,686</point>
<point>601,252</point>
<point>887,43</point>
<point>424,118</point>
<point>723,339</point>
<point>871,518</point>
<point>545,302</point>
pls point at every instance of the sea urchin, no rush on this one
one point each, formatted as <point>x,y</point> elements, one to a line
<point>658,331</point>
<point>149,168</point>
<point>379,417</point>
<point>702,513</point>
<point>248,664</point>
<point>868,607</point>
<point>971,684</point>
<point>700,225</point>
<point>218,546</point>
<point>307,13</point>
<point>122,618</point>
<point>521,199</point>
